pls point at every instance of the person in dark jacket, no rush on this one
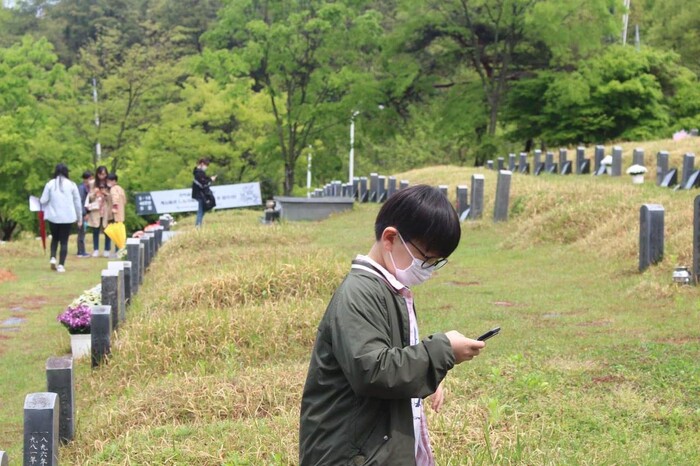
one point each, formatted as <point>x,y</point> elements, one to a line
<point>362,402</point>
<point>200,185</point>
<point>84,189</point>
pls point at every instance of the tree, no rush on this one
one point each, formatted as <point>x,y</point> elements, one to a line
<point>302,55</point>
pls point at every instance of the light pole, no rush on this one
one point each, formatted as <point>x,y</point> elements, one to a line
<point>308,173</point>
<point>351,163</point>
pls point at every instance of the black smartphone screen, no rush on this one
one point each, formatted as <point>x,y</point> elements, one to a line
<point>491,333</point>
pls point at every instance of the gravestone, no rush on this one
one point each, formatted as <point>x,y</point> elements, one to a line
<point>146,252</point>
<point>585,167</point>
<point>694,132</point>
<point>4,459</point>
<point>100,333</point>
<point>688,167</point>
<point>381,189</point>
<point>661,167</point>
<point>651,235</point>
<point>133,252</point>
<point>391,189</point>
<point>41,429</point>
<point>671,178</point>
<point>337,188</point>
<point>566,169</point>
<point>476,208</point>
<point>693,180</point>
<point>158,233</point>
<point>580,156</point>
<point>537,160</point>
<point>539,168</point>
<point>59,380</point>
<point>549,162</point>
<point>462,196</point>
<point>598,156</point>
<point>142,259</point>
<point>345,192</point>
<point>364,193</point>
<point>443,189</point>
<point>511,162</point>
<point>501,163</point>
<point>696,240</point>
<point>355,188</point>
<point>563,158</point>
<point>616,167</point>
<point>489,164</point>
<point>125,268</point>
<point>404,184</point>
<point>373,186</point>
<point>553,168</point>
<point>638,156</point>
<point>500,211</point>
<point>151,245</point>
<point>523,166</point>
<point>111,293</point>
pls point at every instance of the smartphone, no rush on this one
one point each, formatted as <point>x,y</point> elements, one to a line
<point>491,333</point>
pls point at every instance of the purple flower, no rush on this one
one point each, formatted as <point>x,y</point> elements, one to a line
<point>76,319</point>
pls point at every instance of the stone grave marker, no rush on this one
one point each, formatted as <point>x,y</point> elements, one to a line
<point>694,132</point>
<point>60,380</point>
<point>355,188</point>
<point>133,251</point>
<point>337,188</point>
<point>553,168</point>
<point>404,184</point>
<point>146,251</point>
<point>443,189</point>
<point>670,179</point>
<point>41,429</point>
<point>661,166</point>
<point>523,165</point>
<point>489,164</point>
<point>4,459</point>
<point>142,265</point>
<point>500,163</point>
<point>566,169</point>
<point>563,158</point>
<point>364,193</point>
<point>651,235</point>
<point>391,189</point>
<point>373,187</point>
<point>580,156</point>
<point>476,208</point>
<point>693,180</point>
<point>616,167</point>
<point>100,333</point>
<point>688,167</point>
<point>549,162</point>
<point>381,189</point>
<point>598,156</point>
<point>500,211</point>
<point>111,293</point>
<point>638,156</point>
<point>536,160</point>
<point>696,240</point>
<point>462,196</point>
<point>158,233</point>
<point>586,167</point>
<point>511,162</point>
<point>152,245</point>
<point>125,268</point>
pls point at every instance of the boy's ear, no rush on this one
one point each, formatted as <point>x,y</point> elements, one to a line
<point>388,236</point>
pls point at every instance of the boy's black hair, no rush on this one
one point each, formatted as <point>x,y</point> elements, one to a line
<point>87,174</point>
<point>112,177</point>
<point>422,214</point>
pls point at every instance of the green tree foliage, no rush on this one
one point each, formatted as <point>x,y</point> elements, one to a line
<point>622,94</point>
<point>33,85</point>
<point>675,25</point>
<point>301,55</point>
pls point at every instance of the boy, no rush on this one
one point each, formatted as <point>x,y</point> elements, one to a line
<point>362,401</point>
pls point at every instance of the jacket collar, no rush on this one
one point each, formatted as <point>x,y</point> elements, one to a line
<point>367,264</point>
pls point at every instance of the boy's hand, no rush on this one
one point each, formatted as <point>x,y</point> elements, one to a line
<point>437,399</point>
<point>463,348</point>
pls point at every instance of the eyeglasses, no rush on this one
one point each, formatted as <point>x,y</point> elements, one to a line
<point>429,262</point>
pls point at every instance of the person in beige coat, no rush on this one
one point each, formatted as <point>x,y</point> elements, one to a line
<point>99,206</point>
<point>118,198</point>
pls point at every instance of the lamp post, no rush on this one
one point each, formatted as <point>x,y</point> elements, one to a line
<point>351,164</point>
<point>308,173</point>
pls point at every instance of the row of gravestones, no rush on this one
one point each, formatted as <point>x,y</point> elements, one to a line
<point>665,177</point>
<point>379,188</point>
<point>49,417</point>
<point>651,237</point>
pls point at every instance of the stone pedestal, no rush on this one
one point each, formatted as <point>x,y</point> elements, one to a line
<point>59,380</point>
<point>41,429</point>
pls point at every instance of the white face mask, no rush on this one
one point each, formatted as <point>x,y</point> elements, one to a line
<point>414,274</point>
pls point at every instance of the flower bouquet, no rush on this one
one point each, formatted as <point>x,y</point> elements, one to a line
<point>637,171</point>
<point>76,319</point>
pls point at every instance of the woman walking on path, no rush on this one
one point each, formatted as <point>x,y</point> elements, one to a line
<point>62,208</point>
<point>200,185</point>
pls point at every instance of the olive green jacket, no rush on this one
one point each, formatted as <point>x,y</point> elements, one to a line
<point>356,405</point>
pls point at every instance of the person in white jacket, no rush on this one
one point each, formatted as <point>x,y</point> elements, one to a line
<point>62,208</point>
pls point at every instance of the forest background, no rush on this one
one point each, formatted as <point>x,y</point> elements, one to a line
<point>258,85</point>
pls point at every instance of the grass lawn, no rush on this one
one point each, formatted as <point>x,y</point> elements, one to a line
<point>595,364</point>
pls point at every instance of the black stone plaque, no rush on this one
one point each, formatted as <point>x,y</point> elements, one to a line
<point>41,429</point>
<point>651,235</point>
<point>59,380</point>
<point>100,333</point>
